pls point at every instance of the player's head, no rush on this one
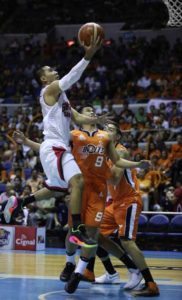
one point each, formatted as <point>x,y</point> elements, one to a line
<point>113,129</point>
<point>87,110</point>
<point>46,75</point>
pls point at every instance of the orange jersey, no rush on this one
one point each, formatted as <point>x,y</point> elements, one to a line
<point>128,187</point>
<point>90,153</point>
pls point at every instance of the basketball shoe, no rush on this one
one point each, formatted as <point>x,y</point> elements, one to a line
<point>11,205</point>
<point>80,238</point>
<point>67,271</point>
<point>149,290</point>
<point>72,284</point>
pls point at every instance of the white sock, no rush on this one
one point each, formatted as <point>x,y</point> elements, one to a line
<point>136,271</point>
<point>81,266</point>
<point>71,259</point>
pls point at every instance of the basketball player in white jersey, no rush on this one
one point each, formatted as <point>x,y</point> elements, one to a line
<point>58,163</point>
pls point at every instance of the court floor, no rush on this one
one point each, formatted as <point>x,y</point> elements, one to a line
<point>34,275</point>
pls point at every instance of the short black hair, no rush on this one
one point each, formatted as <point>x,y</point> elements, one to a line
<point>38,74</point>
<point>116,126</point>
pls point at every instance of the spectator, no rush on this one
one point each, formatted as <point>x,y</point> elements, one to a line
<point>168,199</point>
<point>153,150</point>
<point>175,171</point>
<point>144,82</point>
<point>140,116</point>
<point>3,173</point>
<point>159,141</point>
<point>61,215</point>
<point>178,199</point>
<point>145,185</point>
<point>165,161</point>
<point>42,213</point>
<point>126,114</point>
<point>175,129</point>
<point>18,185</point>
<point>135,149</point>
<point>176,149</point>
<point>162,122</point>
<point>31,159</point>
<point>35,181</point>
<point>16,171</point>
<point>9,192</point>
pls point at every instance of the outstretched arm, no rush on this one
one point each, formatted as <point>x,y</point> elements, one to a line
<point>123,163</point>
<point>56,87</point>
<point>80,119</point>
<point>116,172</point>
<point>20,138</point>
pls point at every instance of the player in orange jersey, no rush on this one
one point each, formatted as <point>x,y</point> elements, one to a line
<point>122,215</point>
<point>91,148</point>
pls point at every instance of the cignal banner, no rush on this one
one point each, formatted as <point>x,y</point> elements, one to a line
<point>29,238</point>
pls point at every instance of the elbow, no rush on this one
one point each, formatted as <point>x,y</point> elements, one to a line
<point>117,164</point>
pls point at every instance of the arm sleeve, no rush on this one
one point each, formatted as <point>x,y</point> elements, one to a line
<point>74,75</point>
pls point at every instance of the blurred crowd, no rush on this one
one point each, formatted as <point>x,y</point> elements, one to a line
<point>43,15</point>
<point>21,172</point>
<point>121,73</point>
<point>132,70</point>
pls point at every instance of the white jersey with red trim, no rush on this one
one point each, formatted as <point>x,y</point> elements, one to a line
<point>56,120</point>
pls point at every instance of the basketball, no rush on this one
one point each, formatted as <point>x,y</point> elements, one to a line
<point>88,30</point>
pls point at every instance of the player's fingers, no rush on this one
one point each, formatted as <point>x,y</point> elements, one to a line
<point>15,133</point>
<point>106,114</point>
<point>92,40</point>
<point>18,131</point>
<point>98,41</point>
<point>82,43</point>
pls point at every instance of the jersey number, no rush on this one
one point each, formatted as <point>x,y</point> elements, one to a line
<point>98,216</point>
<point>99,161</point>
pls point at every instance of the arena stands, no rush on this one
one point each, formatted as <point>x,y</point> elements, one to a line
<point>150,128</point>
<point>134,14</point>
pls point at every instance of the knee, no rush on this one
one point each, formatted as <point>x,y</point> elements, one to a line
<point>77,181</point>
<point>126,242</point>
<point>130,245</point>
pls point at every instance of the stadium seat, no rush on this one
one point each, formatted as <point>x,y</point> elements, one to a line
<point>142,225</point>
<point>143,221</point>
<point>176,224</point>
<point>158,223</point>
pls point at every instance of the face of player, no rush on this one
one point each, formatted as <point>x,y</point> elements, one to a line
<point>49,75</point>
<point>111,129</point>
<point>88,111</point>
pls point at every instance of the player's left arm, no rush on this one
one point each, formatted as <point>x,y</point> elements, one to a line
<point>81,119</point>
<point>20,138</point>
<point>116,172</point>
<point>123,163</point>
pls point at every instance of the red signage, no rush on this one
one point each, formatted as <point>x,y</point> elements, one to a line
<point>25,238</point>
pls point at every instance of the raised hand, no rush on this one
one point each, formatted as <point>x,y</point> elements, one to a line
<point>92,48</point>
<point>103,119</point>
<point>144,164</point>
<point>19,137</point>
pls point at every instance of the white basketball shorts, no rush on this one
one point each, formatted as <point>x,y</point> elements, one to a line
<point>59,165</point>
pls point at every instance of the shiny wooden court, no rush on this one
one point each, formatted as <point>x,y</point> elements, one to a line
<point>35,275</point>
